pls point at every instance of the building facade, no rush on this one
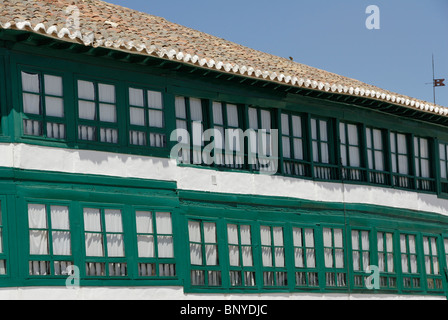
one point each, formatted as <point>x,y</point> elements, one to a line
<point>94,199</point>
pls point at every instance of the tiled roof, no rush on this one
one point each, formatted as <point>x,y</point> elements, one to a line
<point>106,25</point>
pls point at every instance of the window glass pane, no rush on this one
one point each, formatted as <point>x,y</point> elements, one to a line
<point>38,242</point>
<point>144,222</point>
<point>217,113</point>
<point>30,82</point>
<point>180,108</point>
<point>60,217</point>
<point>106,93</point>
<point>155,100</point>
<point>163,221</point>
<point>108,113</point>
<point>113,220</point>
<point>86,90</point>
<point>92,219</point>
<point>136,97</point>
<point>195,109</point>
<point>53,85</point>
<point>37,216</point>
<point>87,110</point>
<point>54,107</point>
<point>155,119</point>
<point>31,103</point>
<point>137,116</point>
<point>232,233</point>
<point>194,231</point>
<point>232,115</point>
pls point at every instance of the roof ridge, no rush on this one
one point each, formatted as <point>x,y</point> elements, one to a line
<point>168,40</point>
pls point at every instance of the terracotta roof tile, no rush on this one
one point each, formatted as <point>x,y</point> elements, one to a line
<point>107,25</point>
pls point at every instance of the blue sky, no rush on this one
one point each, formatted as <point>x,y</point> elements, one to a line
<point>331,35</point>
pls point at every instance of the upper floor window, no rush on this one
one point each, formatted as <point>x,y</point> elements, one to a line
<point>375,156</point>
<point>350,152</point>
<point>189,117</point>
<point>43,105</point>
<point>97,112</point>
<point>49,239</point>
<point>321,149</point>
<point>422,159</point>
<point>293,146</point>
<point>443,155</point>
<point>146,118</point>
<point>400,160</point>
<point>260,138</point>
<point>229,149</point>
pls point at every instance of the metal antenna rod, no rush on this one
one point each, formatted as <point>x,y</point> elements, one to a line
<point>433,80</point>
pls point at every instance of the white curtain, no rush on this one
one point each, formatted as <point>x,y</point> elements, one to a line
<point>106,93</point>
<point>265,233</point>
<point>279,250</point>
<point>30,82</point>
<point>37,219</point>
<point>328,244</point>
<point>232,116</point>
<point>87,133</point>
<point>136,97</point>
<point>165,238</point>
<point>298,250</point>
<point>194,234</point>
<point>108,113</point>
<point>443,161</point>
<point>155,102</point>
<point>246,242</point>
<point>53,85</point>
<point>61,239</point>
<point>87,110</point>
<point>137,116</point>
<point>109,135</point>
<point>86,90</point>
<point>115,243</point>
<point>31,103</point>
<point>211,250</point>
<point>234,253</point>
<point>94,241</point>
<point>180,108</point>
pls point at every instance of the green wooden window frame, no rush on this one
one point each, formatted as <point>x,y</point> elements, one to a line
<point>147,128</point>
<point>260,142</point>
<point>322,146</point>
<point>273,256</point>
<point>104,246</point>
<point>191,116</point>
<point>350,144</point>
<point>40,103</point>
<point>376,159</point>
<point>95,121</point>
<point>410,263</point>
<point>240,248</point>
<point>50,247</point>
<point>227,116</point>
<point>334,256</point>
<point>361,255</point>
<point>155,245</point>
<point>424,179</point>
<point>293,142</point>
<point>387,259</point>
<point>443,160</point>
<point>400,154</point>
<point>305,257</point>
<point>205,264</point>
<point>431,258</point>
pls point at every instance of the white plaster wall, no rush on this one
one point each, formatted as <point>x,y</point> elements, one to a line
<point>175,293</point>
<point>30,157</point>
